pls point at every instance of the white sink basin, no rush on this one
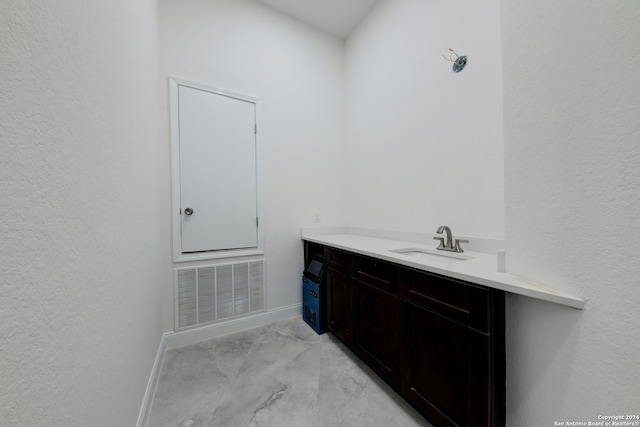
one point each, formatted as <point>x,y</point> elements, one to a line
<point>432,254</point>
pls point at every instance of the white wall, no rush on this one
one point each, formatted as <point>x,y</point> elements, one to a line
<point>425,144</point>
<point>81,242</point>
<point>297,72</point>
<point>84,179</point>
<point>572,156</point>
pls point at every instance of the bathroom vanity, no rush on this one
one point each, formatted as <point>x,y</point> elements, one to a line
<point>439,342</point>
<point>431,328</point>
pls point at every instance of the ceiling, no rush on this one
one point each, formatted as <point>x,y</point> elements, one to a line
<point>335,17</point>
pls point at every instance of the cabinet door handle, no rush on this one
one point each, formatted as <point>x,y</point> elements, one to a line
<point>188,211</point>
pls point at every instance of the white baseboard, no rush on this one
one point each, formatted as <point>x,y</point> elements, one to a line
<point>192,336</point>
<point>145,408</point>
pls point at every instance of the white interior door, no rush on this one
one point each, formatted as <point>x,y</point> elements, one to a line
<point>217,171</point>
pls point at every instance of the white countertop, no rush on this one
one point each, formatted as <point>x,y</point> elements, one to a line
<point>481,269</point>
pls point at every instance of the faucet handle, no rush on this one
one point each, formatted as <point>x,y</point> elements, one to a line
<point>441,245</point>
<point>457,248</point>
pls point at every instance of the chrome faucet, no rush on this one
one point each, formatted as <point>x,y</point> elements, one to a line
<point>448,245</point>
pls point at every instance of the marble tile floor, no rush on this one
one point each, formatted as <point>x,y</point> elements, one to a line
<point>281,375</point>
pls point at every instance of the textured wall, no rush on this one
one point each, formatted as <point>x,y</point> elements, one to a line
<point>297,72</point>
<point>81,242</point>
<point>424,143</point>
<point>572,174</point>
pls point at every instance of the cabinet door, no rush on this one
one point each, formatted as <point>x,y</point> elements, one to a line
<point>339,305</point>
<point>446,369</point>
<point>377,339</point>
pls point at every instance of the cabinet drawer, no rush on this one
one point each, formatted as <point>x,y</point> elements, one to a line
<point>455,299</point>
<point>337,259</point>
<point>375,272</point>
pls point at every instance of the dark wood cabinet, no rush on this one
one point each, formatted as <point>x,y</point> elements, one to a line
<point>453,367</point>
<point>377,311</point>
<point>377,339</point>
<point>446,371</point>
<point>437,340</point>
<point>339,295</point>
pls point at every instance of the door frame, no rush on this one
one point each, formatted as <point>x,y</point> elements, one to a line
<point>178,255</point>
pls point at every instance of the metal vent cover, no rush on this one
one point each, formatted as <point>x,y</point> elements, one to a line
<point>211,293</point>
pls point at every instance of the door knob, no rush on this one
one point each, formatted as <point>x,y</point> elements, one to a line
<point>188,211</point>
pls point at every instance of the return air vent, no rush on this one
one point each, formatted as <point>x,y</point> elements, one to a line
<point>212,293</point>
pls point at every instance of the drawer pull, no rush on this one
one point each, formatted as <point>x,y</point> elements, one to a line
<point>462,310</point>
<point>371,276</point>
